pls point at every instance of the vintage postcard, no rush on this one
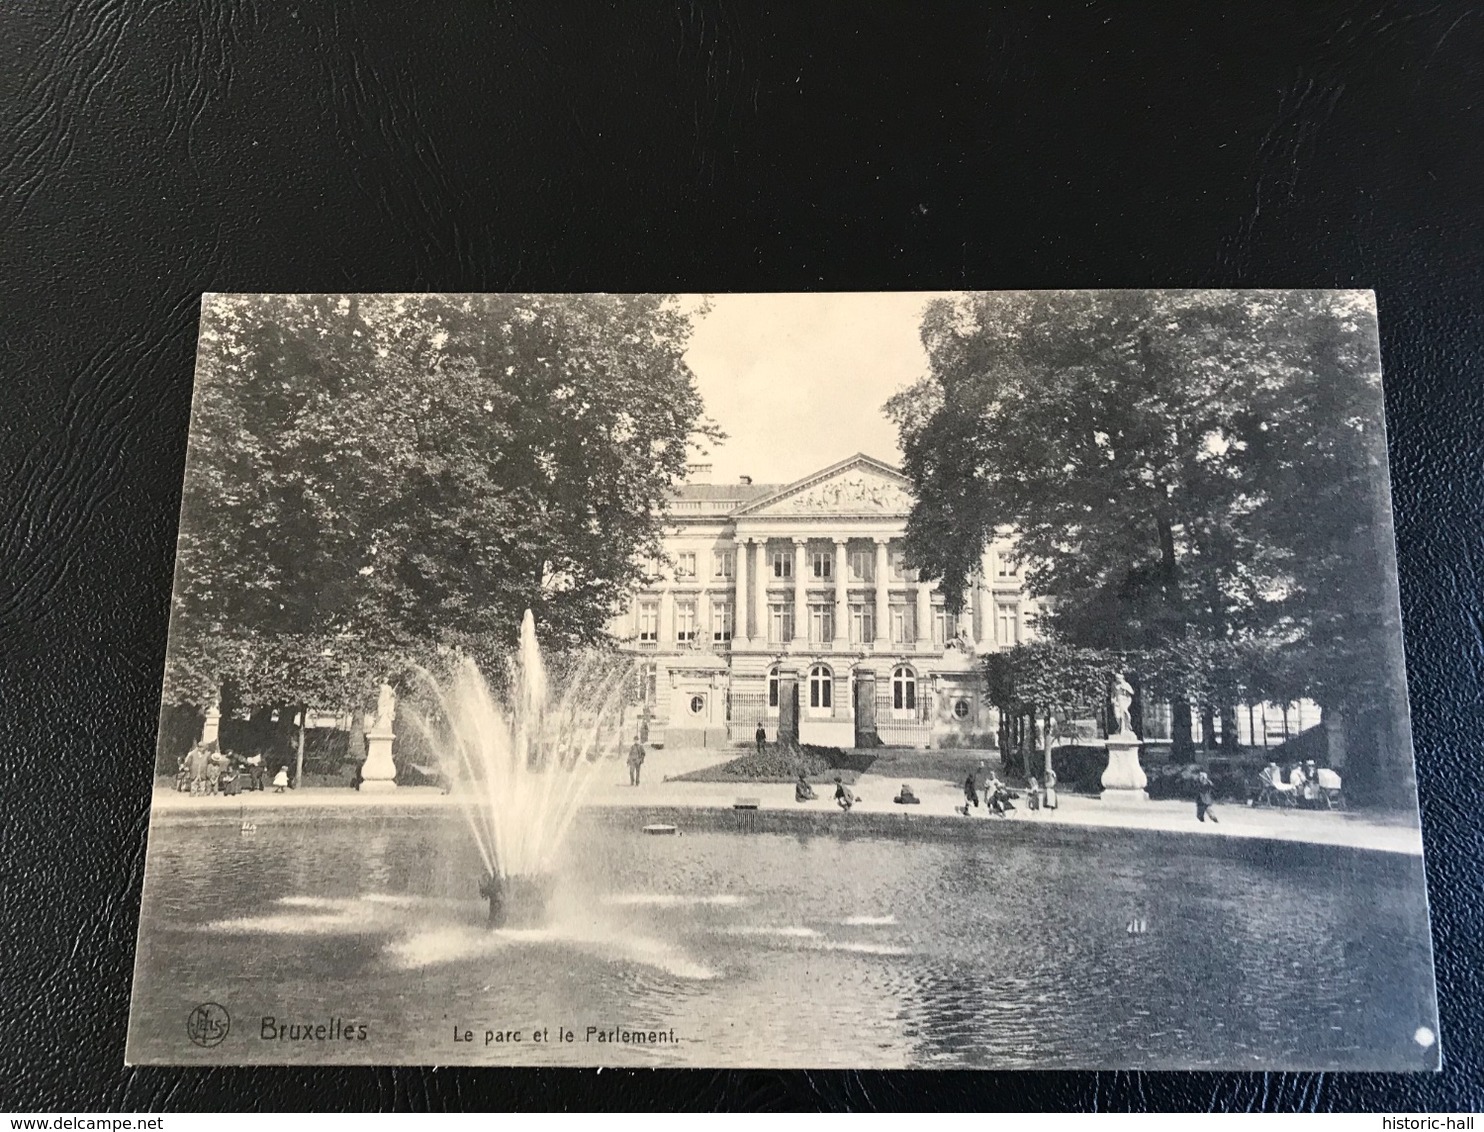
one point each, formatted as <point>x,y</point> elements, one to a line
<point>953,680</point>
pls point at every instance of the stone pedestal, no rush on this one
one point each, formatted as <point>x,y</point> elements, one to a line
<point>1124,780</point>
<point>211,731</point>
<point>378,772</point>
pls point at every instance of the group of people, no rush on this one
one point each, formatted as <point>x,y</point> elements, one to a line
<point>1308,784</point>
<point>844,796</point>
<point>999,799</point>
<point>207,769</point>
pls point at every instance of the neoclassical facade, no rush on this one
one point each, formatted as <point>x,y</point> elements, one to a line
<point>776,595</point>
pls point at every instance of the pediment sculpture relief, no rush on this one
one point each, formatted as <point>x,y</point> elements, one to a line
<point>849,494</point>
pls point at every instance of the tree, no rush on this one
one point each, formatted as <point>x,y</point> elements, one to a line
<point>1188,477</point>
<point>376,481</point>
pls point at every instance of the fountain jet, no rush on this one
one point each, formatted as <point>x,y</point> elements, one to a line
<point>521,769</point>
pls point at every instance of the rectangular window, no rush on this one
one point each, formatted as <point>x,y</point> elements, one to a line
<point>824,564</point>
<point>821,623</point>
<point>685,622</point>
<point>862,566</point>
<point>1005,568</point>
<point>898,564</point>
<point>780,623</point>
<point>819,691</point>
<point>862,624</point>
<point>721,621</point>
<point>1007,624</point>
<point>783,564</point>
<point>903,624</point>
<point>945,626</point>
<point>904,693</point>
<point>649,621</point>
<point>723,564</point>
<point>685,565</point>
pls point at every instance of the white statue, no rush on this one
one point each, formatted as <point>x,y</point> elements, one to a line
<point>386,708</point>
<point>1122,696</point>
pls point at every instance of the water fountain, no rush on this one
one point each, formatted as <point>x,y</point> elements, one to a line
<point>521,768</point>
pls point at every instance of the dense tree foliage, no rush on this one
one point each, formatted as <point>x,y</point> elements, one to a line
<point>374,481</point>
<point>1193,478</point>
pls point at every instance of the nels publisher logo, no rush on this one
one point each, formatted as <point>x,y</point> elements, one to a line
<point>208,1024</point>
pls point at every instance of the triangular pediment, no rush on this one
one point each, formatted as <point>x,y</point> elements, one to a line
<point>857,487</point>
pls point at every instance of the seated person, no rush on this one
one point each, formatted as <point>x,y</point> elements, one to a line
<point>906,797</point>
<point>843,795</point>
<point>803,792</point>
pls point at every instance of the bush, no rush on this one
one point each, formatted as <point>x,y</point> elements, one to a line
<point>782,764</point>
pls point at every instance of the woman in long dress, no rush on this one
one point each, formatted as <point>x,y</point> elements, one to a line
<point>1050,789</point>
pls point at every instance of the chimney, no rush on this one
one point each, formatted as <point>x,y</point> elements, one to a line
<point>746,479</point>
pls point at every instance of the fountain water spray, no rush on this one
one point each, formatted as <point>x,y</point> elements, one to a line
<point>521,769</point>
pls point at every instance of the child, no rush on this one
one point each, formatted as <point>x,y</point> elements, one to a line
<point>843,796</point>
<point>281,780</point>
<point>1205,798</point>
<point>1032,794</point>
<point>803,792</point>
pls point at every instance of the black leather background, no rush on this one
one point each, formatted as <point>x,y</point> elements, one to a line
<point>150,151</point>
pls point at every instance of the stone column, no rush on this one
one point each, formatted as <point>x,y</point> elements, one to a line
<point>665,621</point>
<point>788,708</point>
<point>379,772</point>
<point>801,603</point>
<point>842,597</point>
<point>760,581</point>
<point>924,615</point>
<point>966,615</point>
<point>703,617</point>
<point>740,634</point>
<point>865,709</point>
<point>985,640</point>
<point>883,598</point>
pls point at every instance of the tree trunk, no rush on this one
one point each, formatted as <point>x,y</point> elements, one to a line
<point>299,755</point>
<point>1229,729</point>
<point>1180,721</point>
<point>1208,729</point>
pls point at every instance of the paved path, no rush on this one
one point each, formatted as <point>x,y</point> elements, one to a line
<point>1361,831</point>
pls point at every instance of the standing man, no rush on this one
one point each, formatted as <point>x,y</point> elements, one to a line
<point>636,760</point>
<point>761,738</point>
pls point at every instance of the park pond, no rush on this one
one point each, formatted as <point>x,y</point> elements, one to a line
<point>362,936</point>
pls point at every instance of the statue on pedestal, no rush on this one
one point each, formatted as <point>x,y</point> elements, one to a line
<point>1124,779</point>
<point>379,771</point>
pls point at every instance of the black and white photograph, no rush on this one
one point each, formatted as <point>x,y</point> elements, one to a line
<point>906,680</point>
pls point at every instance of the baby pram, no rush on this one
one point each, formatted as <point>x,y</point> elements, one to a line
<point>1329,784</point>
<point>1274,791</point>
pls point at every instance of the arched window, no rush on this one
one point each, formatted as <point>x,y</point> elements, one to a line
<point>773,687</point>
<point>820,686</point>
<point>904,689</point>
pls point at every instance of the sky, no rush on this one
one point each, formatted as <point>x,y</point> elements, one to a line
<point>798,381</point>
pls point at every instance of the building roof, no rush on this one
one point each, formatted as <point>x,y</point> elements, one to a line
<point>694,500</point>
<point>737,492</point>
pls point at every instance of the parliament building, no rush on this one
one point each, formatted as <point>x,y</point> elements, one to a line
<point>788,605</point>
